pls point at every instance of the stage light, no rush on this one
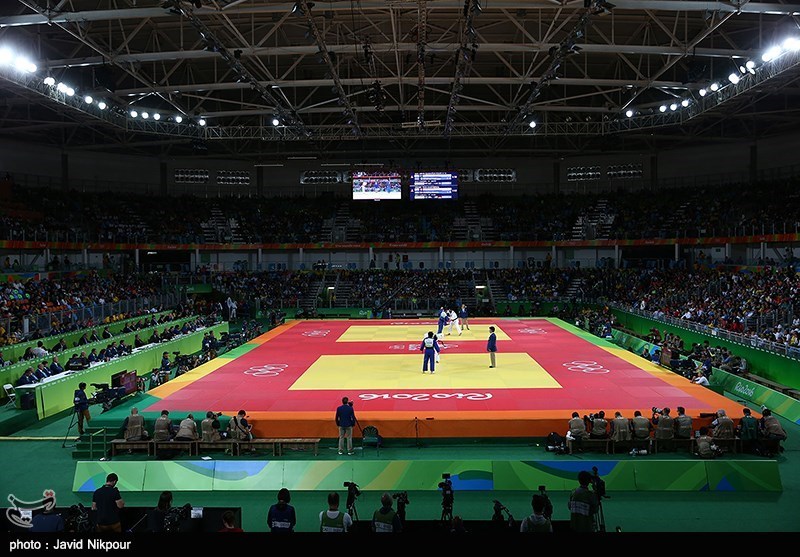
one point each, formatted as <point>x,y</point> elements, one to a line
<point>662,108</point>
<point>771,54</point>
<point>685,103</point>
<point>6,56</point>
<point>629,113</point>
<point>673,107</point>
<point>179,119</point>
<point>733,78</point>
<point>276,122</point>
<point>70,91</point>
<point>156,116</point>
<point>145,115</point>
<point>792,43</point>
<point>742,69</point>
<point>532,124</point>
<point>88,99</point>
<point>202,122</point>
<point>714,87</point>
<point>703,92</point>
<point>750,65</point>
<point>49,80</point>
<point>101,105</point>
<point>22,64</point>
<point>134,114</point>
<point>61,88</point>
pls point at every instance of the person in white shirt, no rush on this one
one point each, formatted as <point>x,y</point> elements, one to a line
<point>452,316</point>
<point>231,308</point>
<point>701,379</point>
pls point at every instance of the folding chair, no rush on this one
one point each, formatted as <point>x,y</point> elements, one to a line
<point>370,436</point>
<point>10,393</point>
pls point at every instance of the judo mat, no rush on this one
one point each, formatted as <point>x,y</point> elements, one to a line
<point>291,379</point>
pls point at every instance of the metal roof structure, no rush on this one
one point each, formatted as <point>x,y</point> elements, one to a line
<point>380,77</point>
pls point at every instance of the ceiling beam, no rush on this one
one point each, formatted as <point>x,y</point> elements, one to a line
<point>347,49</point>
<point>54,17</point>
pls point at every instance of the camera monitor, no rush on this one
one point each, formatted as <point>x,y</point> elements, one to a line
<point>197,512</point>
<point>125,380</point>
<point>433,185</point>
<point>375,186</point>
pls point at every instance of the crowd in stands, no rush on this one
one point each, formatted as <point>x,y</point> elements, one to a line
<point>74,295</point>
<point>731,210</point>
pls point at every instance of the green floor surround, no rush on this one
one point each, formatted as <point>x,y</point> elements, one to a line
<point>424,475</point>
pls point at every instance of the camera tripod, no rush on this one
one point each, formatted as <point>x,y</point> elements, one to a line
<point>72,423</point>
<point>351,510</point>
<point>447,512</point>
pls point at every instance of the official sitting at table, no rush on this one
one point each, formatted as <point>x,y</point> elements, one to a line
<point>41,371</point>
<point>28,378</point>
<point>55,367</point>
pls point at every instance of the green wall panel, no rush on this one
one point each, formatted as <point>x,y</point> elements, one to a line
<point>670,475</point>
<point>92,475</point>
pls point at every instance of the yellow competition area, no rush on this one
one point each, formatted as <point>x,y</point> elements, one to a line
<point>404,371</point>
<point>415,333</point>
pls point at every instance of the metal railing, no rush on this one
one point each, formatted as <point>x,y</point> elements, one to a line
<point>92,436</point>
<point>750,341</point>
<point>96,312</point>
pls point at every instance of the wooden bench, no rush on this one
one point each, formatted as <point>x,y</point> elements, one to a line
<point>174,445</point>
<point>229,445</point>
<point>590,443</point>
<point>676,443</point>
<point>278,444</point>
<point>122,444</point>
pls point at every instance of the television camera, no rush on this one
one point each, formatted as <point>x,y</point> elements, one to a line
<point>106,395</point>
<point>174,516</point>
<point>402,501</point>
<point>352,494</point>
<point>498,518</point>
<point>657,410</point>
<point>598,485</point>
<point>77,519</point>
<point>446,485</point>
<point>548,505</point>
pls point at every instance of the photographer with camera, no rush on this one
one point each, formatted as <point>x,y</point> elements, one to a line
<point>599,425</point>
<point>238,427</point>
<point>577,430</point>
<point>133,427</point>
<point>537,522</point>
<point>107,502</point>
<point>208,433</point>
<point>333,520</point>
<point>402,501</point>
<point>665,427</point>
<point>162,431</point>
<point>386,519</point>
<point>583,505</point>
<point>187,430</point>
<point>281,516</point>
<point>81,403</point>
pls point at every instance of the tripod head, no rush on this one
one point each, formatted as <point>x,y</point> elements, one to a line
<point>352,493</point>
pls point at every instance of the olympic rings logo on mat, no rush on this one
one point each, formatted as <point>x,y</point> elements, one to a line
<point>267,370</point>
<point>317,333</point>
<point>530,331</point>
<point>424,396</point>
<point>586,366</point>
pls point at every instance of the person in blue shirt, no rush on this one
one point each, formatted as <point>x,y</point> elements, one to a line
<point>41,372</point>
<point>28,378</point>
<point>165,363</point>
<point>55,367</point>
<point>345,421</point>
<point>491,346</point>
<point>281,516</point>
<point>463,314</point>
<point>81,403</point>
<point>429,347</point>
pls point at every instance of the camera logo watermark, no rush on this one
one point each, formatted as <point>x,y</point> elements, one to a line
<point>20,513</point>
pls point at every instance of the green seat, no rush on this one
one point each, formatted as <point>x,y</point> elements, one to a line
<point>370,437</point>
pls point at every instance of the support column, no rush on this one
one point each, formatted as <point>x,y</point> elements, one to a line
<point>46,258</point>
<point>196,258</point>
<point>554,256</point>
<point>677,252</point>
<point>727,249</point>
<point>511,256</point>
<point>616,256</point>
<point>85,258</point>
<point>763,250</point>
<point>302,260</point>
<point>259,258</point>
<point>441,255</point>
<point>136,258</point>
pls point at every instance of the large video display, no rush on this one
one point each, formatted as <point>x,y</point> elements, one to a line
<point>376,186</point>
<point>434,185</point>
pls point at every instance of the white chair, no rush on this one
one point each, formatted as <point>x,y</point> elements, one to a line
<point>10,393</point>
